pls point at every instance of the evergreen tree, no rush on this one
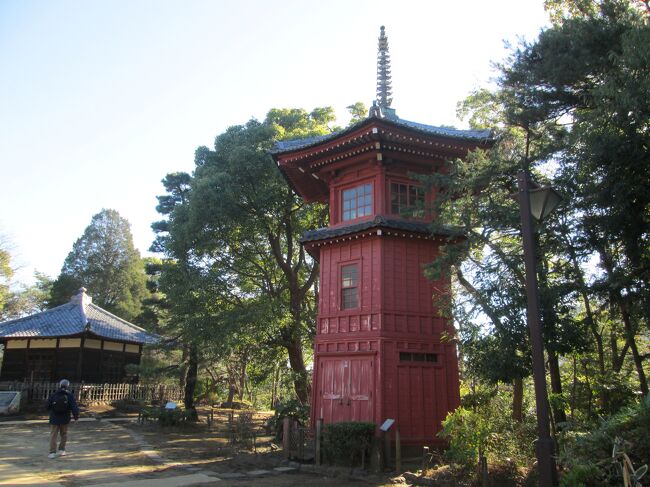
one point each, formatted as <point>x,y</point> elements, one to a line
<point>587,79</point>
<point>105,262</point>
<point>232,240</point>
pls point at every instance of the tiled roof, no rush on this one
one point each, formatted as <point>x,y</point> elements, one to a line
<point>74,318</point>
<point>473,135</point>
<point>378,222</point>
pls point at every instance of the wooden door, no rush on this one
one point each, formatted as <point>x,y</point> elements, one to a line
<point>40,365</point>
<point>332,390</point>
<point>361,386</point>
<point>346,389</point>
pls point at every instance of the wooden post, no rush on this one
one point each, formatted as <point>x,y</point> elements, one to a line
<point>286,433</point>
<point>387,452</point>
<point>425,458</point>
<point>483,470</point>
<point>398,452</point>
<point>80,359</point>
<point>301,441</point>
<point>319,432</point>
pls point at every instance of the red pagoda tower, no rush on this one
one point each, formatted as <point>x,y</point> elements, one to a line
<point>379,351</point>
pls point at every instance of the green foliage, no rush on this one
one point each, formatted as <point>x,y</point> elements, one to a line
<point>19,300</point>
<point>580,476</point>
<point>468,433</point>
<point>586,451</point>
<point>6,273</point>
<point>358,112</point>
<point>105,262</point>
<point>291,408</point>
<point>170,417</point>
<point>237,279</point>
<point>345,443</point>
<point>481,427</point>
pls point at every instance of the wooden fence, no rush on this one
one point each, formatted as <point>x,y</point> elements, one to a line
<point>97,393</point>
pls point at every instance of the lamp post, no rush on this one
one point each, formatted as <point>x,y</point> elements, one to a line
<point>538,203</point>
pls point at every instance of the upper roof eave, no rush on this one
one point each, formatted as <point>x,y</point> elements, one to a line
<point>483,137</point>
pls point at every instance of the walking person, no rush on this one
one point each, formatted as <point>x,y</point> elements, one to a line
<point>61,405</point>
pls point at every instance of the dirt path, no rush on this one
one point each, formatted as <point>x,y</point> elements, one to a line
<point>100,452</point>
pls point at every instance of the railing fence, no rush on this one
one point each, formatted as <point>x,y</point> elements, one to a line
<point>97,393</point>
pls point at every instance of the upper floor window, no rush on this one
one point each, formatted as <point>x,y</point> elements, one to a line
<point>349,286</point>
<point>357,202</point>
<point>406,198</point>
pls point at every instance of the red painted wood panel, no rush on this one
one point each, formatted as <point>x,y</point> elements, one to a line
<point>346,388</point>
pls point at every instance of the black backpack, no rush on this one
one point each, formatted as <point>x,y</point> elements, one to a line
<point>60,404</point>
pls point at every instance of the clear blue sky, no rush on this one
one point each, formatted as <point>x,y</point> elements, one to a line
<point>99,100</point>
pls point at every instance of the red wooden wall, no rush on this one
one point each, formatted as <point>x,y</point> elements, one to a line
<point>358,372</point>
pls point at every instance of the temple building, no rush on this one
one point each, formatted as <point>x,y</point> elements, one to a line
<point>380,351</point>
<point>78,341</point>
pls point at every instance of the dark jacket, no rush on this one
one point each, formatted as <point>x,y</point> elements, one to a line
<point>63,418</point>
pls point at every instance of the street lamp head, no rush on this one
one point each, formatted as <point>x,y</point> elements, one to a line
<point>543,201</point>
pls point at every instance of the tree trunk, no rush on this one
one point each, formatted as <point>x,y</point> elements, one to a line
<point>518,399</point>
<point>190,381</point>
<point>629,333</point>
<point>297,362</point>
<point>617,297</point>
<point>242,380</point>
<point>274,390</point>
<point>232,390</point>
<point>603,395</point>
<point>556,386</point>
<point>182,373</point>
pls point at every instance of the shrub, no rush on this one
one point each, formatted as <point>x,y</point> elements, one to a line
<point>586,451</point>
<point>487,429</point>
<point>170,417</point>
<point>291,408</point>
<point>343,443</point>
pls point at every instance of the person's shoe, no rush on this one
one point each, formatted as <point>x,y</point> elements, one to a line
<point>61,453</point>
<point>52,455</point>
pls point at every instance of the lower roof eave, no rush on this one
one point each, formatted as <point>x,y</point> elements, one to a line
<point>379,226</point>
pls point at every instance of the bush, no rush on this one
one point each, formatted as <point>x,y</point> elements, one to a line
<point>343,443</point>
<point>236,405</point>
<point>291,408</point>
<point>485,428</point>
<point>170,417</point>
<point>586,451</point>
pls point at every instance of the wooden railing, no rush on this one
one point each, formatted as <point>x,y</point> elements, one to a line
<point>97,393</point>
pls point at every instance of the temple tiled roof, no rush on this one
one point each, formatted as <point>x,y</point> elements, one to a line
<point>469,135</point>
<point>74,318</point>
<point>378,222</point>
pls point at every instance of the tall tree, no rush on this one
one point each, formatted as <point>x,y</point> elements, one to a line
<point>105,261</point>
<point>6,273</point>
<point>18,300</point>
<point>238,227</point>
<point>587,76</point>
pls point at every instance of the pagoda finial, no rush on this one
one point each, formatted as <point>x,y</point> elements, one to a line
<point>384,90</point>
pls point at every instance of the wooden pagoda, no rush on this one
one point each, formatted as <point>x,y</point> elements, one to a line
<point>379,351</point>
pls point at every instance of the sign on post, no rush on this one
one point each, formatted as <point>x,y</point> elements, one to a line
<point>386,425</point>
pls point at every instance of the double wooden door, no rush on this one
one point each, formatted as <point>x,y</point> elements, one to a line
<point>346,388</point>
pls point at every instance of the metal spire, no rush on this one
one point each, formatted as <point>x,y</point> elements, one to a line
<point>384,90</point>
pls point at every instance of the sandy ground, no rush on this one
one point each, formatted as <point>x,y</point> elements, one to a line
<point>101,452</point>
<point>97,453</point>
